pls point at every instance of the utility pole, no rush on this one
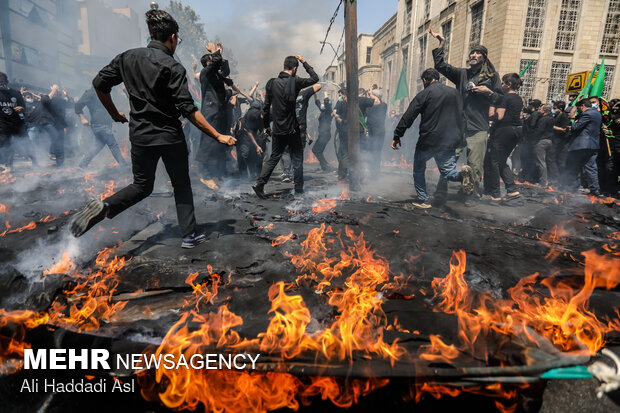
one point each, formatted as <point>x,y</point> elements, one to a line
<point>353,129</point>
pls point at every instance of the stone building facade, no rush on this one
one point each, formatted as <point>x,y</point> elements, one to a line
<point>560,37</point>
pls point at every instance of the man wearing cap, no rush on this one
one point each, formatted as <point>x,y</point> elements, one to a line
<point>480,86</point>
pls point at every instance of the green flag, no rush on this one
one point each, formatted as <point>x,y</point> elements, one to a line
<point>522,72</point>
<point>599,83</point>
<point>585,91</point>
<point>402,90</point>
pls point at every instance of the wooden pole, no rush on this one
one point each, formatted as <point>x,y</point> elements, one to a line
<point>353,129</point>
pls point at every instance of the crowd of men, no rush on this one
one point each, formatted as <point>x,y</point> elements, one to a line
<point>558,144</point>
<point>483,116</point>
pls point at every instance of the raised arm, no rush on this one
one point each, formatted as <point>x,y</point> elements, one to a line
<point>253,90</point>
<point>441,65</point>
<point>302,82</point>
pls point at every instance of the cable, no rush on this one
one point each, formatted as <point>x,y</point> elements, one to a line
<point>331,21</point>
<point>338,48</point>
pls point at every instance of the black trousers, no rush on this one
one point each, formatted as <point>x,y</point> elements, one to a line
<point>295,148</point>
<point>559,153</point>
<point>319,147</point>
<point>144,161</point>
<point>528,161</point>
<point>502,142</point>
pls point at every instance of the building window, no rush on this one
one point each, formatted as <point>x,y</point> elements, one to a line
<point>422,64</point>
<point>446,30</point>
<point>409,8</point>
<point>611,34</point>
<point>333,76</point>
<point>405,58</point>
<point>534,23</point>
<point>368,54</point>
<point>427,10</point>
<point>529,78</point>
<point>567,27</point>
<point>476,24</point>
<point>557,80</point>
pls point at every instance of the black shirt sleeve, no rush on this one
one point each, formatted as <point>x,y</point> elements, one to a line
<point>267,105</point>
<point>301,82</point>
<point>179,91</point>
<point>109,76</point>
<point>409,116</point>
<point>83,101</point>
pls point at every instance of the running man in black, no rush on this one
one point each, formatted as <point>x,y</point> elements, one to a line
<point>157,86</point>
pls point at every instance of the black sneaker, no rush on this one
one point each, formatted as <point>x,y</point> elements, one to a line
<point>93,213</point>
<point>191,240</point>
<point>259,190</point>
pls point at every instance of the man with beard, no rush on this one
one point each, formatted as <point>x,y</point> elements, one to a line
<point>480,86</point>
<point>159,95</point>
<point>441,109</point>
<point>214,107</point>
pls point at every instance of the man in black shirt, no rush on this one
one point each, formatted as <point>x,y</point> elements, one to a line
<point>55,122</point>
<point>101,125</point>
<point>441,131</point>
<point>213,80</point>
<point>526,146</point>
<point>159,95</point>
<point>250,143</point>
<point>543,147</point>
<point>480,86</point>
<point>505,134</point>
<point>340,114</point>
<point>11,120</point>
<point>280,107</point>
<point>375,119</point>
<point>325,126</point>
<point>559,141</point>
<point>301,112</point>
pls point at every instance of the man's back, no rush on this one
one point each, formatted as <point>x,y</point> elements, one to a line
<point>98,114</point>
<point>441,109</point>
<point>158,93</point>
<point>280,99</point>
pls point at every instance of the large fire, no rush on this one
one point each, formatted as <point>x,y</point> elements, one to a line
<point>348,275</point>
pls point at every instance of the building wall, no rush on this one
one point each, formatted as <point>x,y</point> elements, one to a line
<point>509,33</point>
<point>44,42</point>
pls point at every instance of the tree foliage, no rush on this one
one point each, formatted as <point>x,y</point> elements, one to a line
<point>192,31</point>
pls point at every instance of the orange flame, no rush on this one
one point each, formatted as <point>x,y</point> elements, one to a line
<point>4,209</point>
<point>323,205</point>
<point>282,239</point>
<point>209,183</point>
<point>64,266</point>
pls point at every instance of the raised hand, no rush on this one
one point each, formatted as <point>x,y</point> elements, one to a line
<point>210,47</point>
